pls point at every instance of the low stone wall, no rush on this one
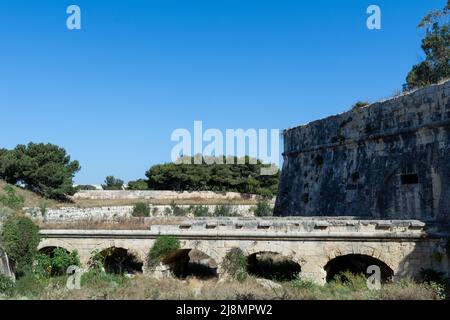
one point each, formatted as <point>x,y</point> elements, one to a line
<point>160,195</point>
<point>71,214</point>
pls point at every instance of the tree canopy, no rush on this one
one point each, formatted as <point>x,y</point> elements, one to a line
<point>186,176</point>
<point>112,183</point>
<point>436,45</point>
<point>43,168</point>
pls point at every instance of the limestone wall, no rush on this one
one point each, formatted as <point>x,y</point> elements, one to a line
<point>390,160</point>
<point>111,213</point>
<point>161,195</point>
<point>404,246</point>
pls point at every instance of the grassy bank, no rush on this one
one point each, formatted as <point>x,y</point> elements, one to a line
<point>107,286</point>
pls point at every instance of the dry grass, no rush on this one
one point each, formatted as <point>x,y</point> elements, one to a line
<point>31,199</point>
<point>117,224</point>
<point>34,200</point>
<point>145,288</point>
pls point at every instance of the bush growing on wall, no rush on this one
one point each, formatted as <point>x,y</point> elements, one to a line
<point>263,209</point>
<point>141,209</point>
<point>162,246</point>
<point>223,210</point>
<point>235,264</point>
<point>199,211</point>
<point>177,210</point>
<point>20,238</point>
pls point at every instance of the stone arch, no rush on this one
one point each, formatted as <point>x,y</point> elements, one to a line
<point>356,263</point>
<point>273,248</point>
<point>56,243</point>
<point>138,252</point>
<point>206,248</point>
<point>191,262</point>
<point>364,250</point>
<point>120,260</point>
<point>273,266</point>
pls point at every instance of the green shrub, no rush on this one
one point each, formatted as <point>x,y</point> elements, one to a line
<point>97,260</point>
<point>141,209</point>
<point>6,285</point>
<point>20,237</point>
<point>43,207</point>
<point>11,199</point>
<point>42,265</point>
<point>98,279</point>
<point>360,104</point>
<point>162,246</point>
<point>263,209</point>
<point>56,263</point>
<point>62,260</point>
<point>438,289</point>
<point>31,284</point>
<point>177,210</point>
<point>224,210</point>
<point>235,264</point>
<point>200,211</point>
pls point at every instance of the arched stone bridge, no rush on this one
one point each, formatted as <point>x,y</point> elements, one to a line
<point>401,247</point>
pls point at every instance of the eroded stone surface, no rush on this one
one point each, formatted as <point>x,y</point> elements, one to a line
<point>390,160</point>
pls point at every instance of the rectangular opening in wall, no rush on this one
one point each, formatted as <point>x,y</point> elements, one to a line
<point>409,178</point>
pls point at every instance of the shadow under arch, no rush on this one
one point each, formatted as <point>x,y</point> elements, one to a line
<point>356,264</point>
<point>185,263</point>
<point>272,266</point>
<point>120,260</point>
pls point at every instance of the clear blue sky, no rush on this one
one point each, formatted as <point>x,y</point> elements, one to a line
<point>112,93</point>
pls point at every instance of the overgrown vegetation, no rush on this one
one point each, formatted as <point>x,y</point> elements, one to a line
<point>6,285</point>
<point>187,176</point>
<point>200,211</point>
<point>20,238</point>
<point>436,46</point>
<point>263,209</point>
<point>178,211</point>
<point>55,263</point>
<point>163,245</point>
<point>235,264</point>
<point>224,210</point>
<point>141,209</point>
<point>43,168</point>
<point>11,199</point>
